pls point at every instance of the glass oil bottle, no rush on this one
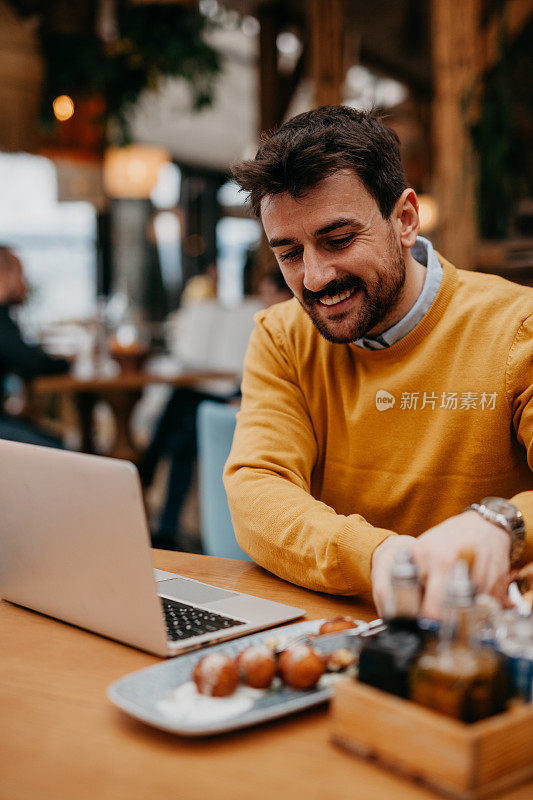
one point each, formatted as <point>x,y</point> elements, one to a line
<point>385,659</point>
<point>455,675</point>
<point>514,640</point>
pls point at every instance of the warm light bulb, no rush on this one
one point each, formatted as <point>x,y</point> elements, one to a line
<point>63,107</point>
<point>428,212</point>
<point>133,171</point>
<point>136,170</point>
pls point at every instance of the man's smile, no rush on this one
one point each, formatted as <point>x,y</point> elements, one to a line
<point>334,300</point>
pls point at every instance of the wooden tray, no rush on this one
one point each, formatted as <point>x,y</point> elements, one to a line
<point>464,761</point>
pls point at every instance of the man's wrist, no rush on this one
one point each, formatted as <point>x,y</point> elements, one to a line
<point>508,518</point>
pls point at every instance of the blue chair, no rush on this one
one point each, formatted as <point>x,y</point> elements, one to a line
<point>215,425</point>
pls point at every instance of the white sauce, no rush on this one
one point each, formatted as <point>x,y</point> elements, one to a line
<point>187,705</point>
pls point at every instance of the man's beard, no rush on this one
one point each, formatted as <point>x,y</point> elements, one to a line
<point>378,299</point>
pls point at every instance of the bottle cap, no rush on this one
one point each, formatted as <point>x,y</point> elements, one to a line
<point>404,569</point>
<point>460,588</point>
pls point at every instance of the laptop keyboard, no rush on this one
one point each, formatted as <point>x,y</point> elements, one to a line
<point>183,621</point>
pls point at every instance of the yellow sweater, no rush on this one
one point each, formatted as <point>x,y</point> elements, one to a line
<point>337,447</point>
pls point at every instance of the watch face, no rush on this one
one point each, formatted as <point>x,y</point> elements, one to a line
<point>500,506</point>
<point>515,524</point>
<point>510,512</point>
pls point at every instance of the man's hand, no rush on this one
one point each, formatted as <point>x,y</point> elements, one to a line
<point>436,550</point>
<point>439,547</point>
<point>382,559</point>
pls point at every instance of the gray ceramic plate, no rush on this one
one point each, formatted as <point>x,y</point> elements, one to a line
<point>142,694</point>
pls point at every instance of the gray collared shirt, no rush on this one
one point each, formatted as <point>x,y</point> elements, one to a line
<point>424,253</point>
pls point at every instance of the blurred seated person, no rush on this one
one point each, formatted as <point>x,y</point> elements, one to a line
<point>175,437</point>
<point>201,287</point>
<point>17,357</point>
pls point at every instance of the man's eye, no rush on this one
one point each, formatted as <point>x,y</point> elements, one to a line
<point>291,255</point>
<point>340,241</point>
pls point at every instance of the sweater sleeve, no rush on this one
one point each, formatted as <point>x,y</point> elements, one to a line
<point>21,358</point>
<point>520,396</point>
<point>268,482</point>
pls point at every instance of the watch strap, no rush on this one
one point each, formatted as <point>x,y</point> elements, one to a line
<point>515,530</point>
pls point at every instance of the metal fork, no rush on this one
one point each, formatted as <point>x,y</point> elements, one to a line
<point>362,630</point>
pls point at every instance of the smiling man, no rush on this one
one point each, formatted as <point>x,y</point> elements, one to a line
<point>392,393</point>
<point>359,291</point>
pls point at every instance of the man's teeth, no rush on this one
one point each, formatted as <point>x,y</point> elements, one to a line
<point>337,298</point>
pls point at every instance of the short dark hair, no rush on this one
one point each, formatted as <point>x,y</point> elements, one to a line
<point>314,145</point>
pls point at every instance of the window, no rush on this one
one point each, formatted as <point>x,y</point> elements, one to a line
<point>237,234</point>
<point>55,241</point>
<point>235,237</point>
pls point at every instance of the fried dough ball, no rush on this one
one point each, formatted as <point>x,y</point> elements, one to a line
<point>216,675</point>
<point>257,666</point>
<point>337,624</point>
<point>300,666</point>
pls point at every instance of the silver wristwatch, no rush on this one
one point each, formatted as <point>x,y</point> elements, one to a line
<point>503,513</point>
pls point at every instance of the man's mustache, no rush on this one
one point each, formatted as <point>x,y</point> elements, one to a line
<point>336,286</point>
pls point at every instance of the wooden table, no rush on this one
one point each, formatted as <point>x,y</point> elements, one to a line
<point>121,392</point>
<point>61,739</point>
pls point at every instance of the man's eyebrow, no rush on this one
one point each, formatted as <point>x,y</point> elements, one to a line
<point>338,223</point>
<point>331,226</point>
<point>280,242</point>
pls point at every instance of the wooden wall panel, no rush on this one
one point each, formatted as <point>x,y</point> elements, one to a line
<point>456,61</point>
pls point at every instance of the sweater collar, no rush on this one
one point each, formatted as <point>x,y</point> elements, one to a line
<point>426,324</point>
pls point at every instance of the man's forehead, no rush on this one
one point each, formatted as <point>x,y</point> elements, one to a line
<point>341,190</point>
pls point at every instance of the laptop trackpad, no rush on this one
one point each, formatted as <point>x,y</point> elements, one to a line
<point>192,591</point>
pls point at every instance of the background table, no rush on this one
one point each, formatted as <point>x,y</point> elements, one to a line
<point>121,392</point>
<point>61,739</point>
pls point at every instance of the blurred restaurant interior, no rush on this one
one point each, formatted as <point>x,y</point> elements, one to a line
<point>120,121</point>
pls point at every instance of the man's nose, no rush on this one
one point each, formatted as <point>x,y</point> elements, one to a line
<point>318,272</point>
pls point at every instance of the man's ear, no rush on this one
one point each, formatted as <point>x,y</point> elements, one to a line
<point>406,219</point>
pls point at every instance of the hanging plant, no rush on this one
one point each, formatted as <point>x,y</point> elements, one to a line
<point>151,43</point>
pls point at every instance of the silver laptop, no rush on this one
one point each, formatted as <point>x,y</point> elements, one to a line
<point>74,544</point>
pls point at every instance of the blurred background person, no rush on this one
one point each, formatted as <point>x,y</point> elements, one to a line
<point>201,287</point>
<point>17,356</point>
